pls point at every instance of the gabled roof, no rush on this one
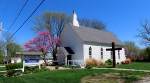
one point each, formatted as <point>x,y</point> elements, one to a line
<point>90,35</point>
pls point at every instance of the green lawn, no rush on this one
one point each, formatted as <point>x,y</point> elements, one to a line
<point>136,65</point>
<point>75,76</point>
<point>1,64</point>
<point>2,68</point>
<point>68,76</point>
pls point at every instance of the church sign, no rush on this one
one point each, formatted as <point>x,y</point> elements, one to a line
<point>30,59</point>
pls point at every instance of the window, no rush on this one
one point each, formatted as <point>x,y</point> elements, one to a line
<point>90,52</point>
<point>111,54</point>
<point>15,61</point>
<point>118,54</point>
<point>101,53</point>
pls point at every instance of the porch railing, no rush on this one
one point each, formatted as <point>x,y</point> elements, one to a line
<point>76,63</point>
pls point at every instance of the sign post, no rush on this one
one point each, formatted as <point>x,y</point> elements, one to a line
<point>113,53</point>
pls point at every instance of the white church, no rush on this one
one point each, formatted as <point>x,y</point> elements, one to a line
<point>80,43</point>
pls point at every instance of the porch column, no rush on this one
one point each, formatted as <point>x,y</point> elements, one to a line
<point>66,60</point>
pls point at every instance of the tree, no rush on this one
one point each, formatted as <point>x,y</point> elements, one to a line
<point>12,48</point>
<point>92,24</point>
<point>1,56</point>
<point>5,40</point>
<point>1,53</point>
<point>145,54</point>
<point>54,23</point>
<point>44,43</point>
<point>131,49</point>
<point>144,33</point>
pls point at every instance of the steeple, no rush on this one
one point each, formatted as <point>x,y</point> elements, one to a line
<point>75,20</point>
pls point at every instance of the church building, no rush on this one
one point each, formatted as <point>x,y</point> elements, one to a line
<point>81,43</point>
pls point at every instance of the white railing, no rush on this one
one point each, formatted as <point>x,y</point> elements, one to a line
<point>76,62</point>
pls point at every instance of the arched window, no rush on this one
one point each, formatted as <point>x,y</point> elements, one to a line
<point>101,53</point>
<point>118,54</point>
<point>90,51</point>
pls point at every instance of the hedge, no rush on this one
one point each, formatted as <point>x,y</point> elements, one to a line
<point>14,66</point>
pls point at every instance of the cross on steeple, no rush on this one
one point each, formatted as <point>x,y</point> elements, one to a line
<point>113,53</point>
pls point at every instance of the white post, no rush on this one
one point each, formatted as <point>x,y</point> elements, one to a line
<point>23,65</point>
<point>73,62</point>
<point>39,66</point>
<point>66,60</point>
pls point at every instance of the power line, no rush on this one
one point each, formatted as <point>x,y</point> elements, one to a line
<point>18,14</point>
<point>27,18</point>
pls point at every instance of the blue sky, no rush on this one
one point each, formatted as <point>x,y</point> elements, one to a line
<point>122,17</point>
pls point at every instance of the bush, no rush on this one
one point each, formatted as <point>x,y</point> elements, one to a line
<point>14,66</point>
<point>13,73</point>
<point>93,63</point>
<point>10,73</point>
<point>34,69</point>
<point>108,62</point>
<point>11,69</point>
<point>127,61</point>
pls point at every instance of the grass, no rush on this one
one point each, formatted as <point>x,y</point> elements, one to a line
<point>75,76</point>
<point>68,76</point>
<point>2,68</point>
<point>1,64</point>
<point>136,65</point>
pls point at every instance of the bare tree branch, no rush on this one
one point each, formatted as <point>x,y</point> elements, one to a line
<point>144,33</point>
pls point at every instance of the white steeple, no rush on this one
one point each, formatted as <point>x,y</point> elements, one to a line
<point>75,20</point>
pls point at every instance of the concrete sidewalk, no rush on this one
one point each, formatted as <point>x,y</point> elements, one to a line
<point>125,69</point>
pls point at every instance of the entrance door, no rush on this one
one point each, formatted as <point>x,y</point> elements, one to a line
<point>68,59</point>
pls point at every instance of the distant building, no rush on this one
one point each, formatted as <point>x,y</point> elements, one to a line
<point>16,59</point>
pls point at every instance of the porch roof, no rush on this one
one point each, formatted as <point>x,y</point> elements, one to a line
<point>69,50</point>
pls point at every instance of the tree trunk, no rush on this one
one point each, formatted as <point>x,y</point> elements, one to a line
<point>54,56</point>
<point>45,60</point>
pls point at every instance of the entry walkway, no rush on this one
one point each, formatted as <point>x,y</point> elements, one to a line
<point>125,69</point>
<point>143,80</point>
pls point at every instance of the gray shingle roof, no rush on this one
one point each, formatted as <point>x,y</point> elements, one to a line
<point>90,35</point>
